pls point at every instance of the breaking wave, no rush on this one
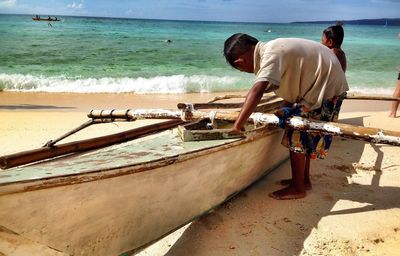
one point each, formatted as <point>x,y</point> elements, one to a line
<point>158,84</point>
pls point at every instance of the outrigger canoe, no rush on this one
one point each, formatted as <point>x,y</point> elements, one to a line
<point>45,19</point>
<point>125,196</point>
<point>120,197</point>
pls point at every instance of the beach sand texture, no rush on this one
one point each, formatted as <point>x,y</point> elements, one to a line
<point>353,208</point>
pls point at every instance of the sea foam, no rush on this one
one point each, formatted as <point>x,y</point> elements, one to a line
<point>158,84</point>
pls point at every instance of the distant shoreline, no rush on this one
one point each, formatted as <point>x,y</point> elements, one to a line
<point>380,21</point>
<point>377,22</point>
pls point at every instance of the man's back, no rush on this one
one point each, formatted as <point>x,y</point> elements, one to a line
<point>306,71</point>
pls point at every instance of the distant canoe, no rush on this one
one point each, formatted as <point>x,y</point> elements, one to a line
<point>43,19</point>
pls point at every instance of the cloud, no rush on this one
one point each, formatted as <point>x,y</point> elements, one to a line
<point>78,5</point>
<point>8,3</point>
<point>129,12</point>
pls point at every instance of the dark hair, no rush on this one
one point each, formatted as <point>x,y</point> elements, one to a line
<point>336,33</point>
<point>236,45</point>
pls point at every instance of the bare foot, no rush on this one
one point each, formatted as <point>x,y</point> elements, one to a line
<point>392,115</point>
<point>288,193</point>
<point>288,182</point>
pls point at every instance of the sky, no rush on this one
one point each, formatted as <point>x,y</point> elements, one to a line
<point>279,11</point>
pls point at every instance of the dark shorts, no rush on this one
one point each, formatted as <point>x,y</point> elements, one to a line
<point>398,78</point>
<point>314,145</point>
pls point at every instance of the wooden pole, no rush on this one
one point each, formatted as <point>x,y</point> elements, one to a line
<point>374,135</point>
<point>43,153</point>
<point>263,105</point>
<point>349,96</point>
<point>225,97</point>
<point>371,97</point>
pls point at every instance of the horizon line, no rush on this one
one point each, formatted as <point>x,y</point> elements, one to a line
<point>224,21</point>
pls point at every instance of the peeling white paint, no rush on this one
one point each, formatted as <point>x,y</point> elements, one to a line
<point>260,118</point>
<point>380,137</point>
<point>298,123</point>
<point>326,127</point>
<point>257,118</point>
<point>145,113</point>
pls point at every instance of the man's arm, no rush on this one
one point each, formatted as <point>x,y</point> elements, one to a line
<point>252,99</point>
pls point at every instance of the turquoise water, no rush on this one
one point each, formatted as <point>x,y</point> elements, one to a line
<point>81,54</point>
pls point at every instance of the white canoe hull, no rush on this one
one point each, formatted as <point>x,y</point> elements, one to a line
<point>119,210</point>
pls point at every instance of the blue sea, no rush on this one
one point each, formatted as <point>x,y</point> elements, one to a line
<point>93,55</point>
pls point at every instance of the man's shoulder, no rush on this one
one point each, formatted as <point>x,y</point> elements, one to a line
<point>292,42</point>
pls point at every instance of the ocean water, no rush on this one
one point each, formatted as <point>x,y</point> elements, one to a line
<point>92,55</point>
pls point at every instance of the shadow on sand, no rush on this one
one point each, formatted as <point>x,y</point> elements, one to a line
<point>254,224</point>
<point>31,107</point>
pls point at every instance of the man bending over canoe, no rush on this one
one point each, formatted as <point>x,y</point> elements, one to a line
<point>309,78</point>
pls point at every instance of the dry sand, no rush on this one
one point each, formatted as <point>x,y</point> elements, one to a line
<point>353,208</point>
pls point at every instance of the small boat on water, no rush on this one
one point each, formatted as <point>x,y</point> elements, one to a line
<point>37,18</point>
<point>122,197</point>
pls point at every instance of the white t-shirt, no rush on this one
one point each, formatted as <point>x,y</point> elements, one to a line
<point>303,71</point>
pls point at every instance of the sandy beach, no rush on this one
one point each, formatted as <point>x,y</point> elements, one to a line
<point>353,208</point>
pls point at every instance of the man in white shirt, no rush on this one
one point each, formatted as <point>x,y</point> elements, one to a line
<point>309,78</point>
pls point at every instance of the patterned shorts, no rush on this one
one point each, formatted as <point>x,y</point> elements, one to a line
<point>314,145</point>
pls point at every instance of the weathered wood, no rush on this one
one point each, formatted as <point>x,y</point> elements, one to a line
<point>374,135</point>
<point>123,207</point>
<point>14,244</point>
<point>204,130</point>
<point>43,153</point>
<point>51,143</point>
<point>371,97</point>
<point>226,97</point>
<point>211,105</point>
<point>99,116</point>
<point>349,96</point>
<point>268,106</point>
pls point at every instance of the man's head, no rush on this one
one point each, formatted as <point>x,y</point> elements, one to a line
<point>239,52</point>
<point>332,37</point>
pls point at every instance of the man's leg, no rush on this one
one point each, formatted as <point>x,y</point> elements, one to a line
<point>395,104</point>
<point>297,188</point>
<point>307,181</point>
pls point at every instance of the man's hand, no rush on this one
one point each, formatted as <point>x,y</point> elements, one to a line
<point>283,113</point>
<point>235,132</point>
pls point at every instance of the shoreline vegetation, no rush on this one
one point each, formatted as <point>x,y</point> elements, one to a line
<point>377,22</point>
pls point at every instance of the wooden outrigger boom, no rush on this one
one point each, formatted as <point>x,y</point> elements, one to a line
<point>371,97</point>
<point>374,135</point>
<point>349,96</point>
<point>187,113</point>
